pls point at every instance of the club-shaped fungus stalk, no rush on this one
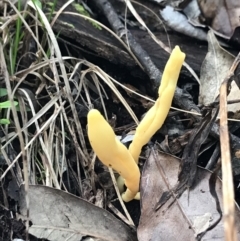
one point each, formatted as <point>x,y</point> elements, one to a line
<point>112,153</point>
<point>155,117</point>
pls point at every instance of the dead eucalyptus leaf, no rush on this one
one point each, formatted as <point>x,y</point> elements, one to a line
<point>192,213</point>
<point>213,71</point>
<point>59,216</point>
<point>221,15</point>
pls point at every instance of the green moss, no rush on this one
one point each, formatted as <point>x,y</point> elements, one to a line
<point>82,11</point>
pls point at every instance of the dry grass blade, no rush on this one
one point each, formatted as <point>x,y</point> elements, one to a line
<point>28,28</point>
<point>97,72</point>
<point>167,49</point>
<point>57,51</point>
<point>227,178</point>
<point>46,124</point>
<point>19,132</point>
<point>34,118</point>
<point>60,11</point>
<point>120,198</point>
<point>107,80</point>
<point>110,31</point>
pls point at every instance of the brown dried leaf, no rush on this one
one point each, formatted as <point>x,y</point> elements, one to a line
<point>60,216</point>
<point>213,71</point>
<point>193,212</point>
<point>221,15</point>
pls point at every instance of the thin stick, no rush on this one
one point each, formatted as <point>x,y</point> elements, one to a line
<point>120,198</point>
<point>227,178</point>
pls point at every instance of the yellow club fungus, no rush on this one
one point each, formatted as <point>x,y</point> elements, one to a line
<point>155,117</point>
<point>113,153</point>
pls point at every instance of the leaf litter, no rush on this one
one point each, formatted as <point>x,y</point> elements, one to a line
<point>178,219</point>
<point>213,71</point>
<point>58,216</point>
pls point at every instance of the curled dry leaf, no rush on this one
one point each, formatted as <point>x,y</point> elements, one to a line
<point>214,69</point>
<point>60,216</point>
<point>183,219</point>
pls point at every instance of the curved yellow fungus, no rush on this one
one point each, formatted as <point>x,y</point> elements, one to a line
<point>155,117</point>
<point>113,153</point>
<point>120,184</point>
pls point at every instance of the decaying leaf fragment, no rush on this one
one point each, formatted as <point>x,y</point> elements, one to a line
<point>188,170</point>
<point>214,69</point>
<point>60,216</point>
<point>221,15</point>
<point>192,213</point>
